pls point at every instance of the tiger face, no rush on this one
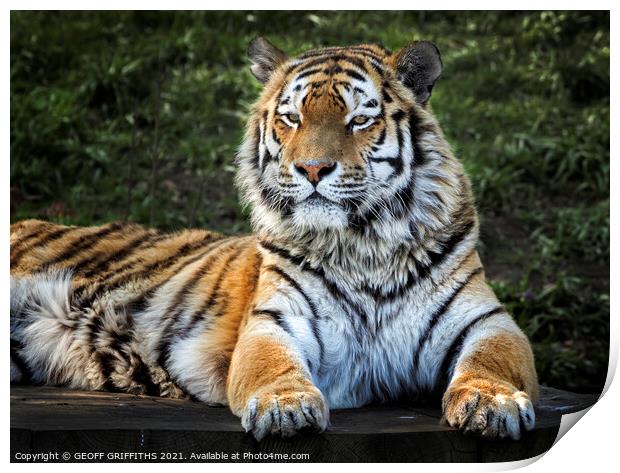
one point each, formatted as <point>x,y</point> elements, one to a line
<point>330,140</point>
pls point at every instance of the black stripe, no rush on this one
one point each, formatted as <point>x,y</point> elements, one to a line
<point>310,303</point>
<point>369,50</point>
<point>152,242</point>
<point>83,243</point>
<point>327,53</point>
<point>309,72</point>
<point>355,75</point>
<point>296,260</point>
<point>120,344</point>
<point>145,240</point>
<point>159,265</point>
<point>94,325</point>
<point>352,60</point>
<point>199,313</point>
<point>142,375</point>
<point>349,185</point>
<point>315,84</point>
<point>173,313</point>
<point>378,67</point>
<point>106,364</point>
<point>456,347</point>
<point>30,236</point>
<point>314,325</point>
<point>321,52</point>
<point>401,204</point>
<point>420,273</point>
<point>255,158</point>
<point>275,314</point>
<point>337,98</point>
<point>436,316</point>
<point>141,301</point>
<point>450,245</point>
<point>396,163</point>
<point>321,60</point>
<point>296,286</point>
<point>423,271</point>
<point>304,100</point>
<point>267,157</point>
<point>381,138</point>
<point>275,201</point>
<point>45,240</point>
<point>277,317</point>
<point>398,115</point>
<point>300,262</point>
<point>79,290</point>
<point>387,98</point>
<point>341,297</point>
<point>274,135</point>
<point>419,157</point>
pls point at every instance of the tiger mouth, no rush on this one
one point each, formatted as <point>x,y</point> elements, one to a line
<point>317,198</point>
<point>316,195</point>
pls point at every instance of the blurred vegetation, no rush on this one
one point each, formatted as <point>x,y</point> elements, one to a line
<point>137,116</point>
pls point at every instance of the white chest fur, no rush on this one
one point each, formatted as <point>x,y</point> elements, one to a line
<point>359,349</point>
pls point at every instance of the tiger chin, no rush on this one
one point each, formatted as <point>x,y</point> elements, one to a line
<point>360,284</point>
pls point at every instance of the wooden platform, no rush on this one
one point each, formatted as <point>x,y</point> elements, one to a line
<point>97,426</point>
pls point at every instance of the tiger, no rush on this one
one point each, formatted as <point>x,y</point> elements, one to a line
<point>360,283</point>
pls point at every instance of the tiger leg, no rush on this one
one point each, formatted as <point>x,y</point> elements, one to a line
<point>269,387</point>
<point>494,382</point>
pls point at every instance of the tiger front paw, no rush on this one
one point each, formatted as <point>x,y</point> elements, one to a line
<point>285,413</point>
<point>488,408</point>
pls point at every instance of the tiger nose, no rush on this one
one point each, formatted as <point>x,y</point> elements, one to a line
<point>315,170</point>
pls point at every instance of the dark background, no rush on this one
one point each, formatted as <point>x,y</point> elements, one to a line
<point>137,116</point>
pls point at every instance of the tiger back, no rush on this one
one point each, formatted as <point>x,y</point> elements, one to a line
<point>83,286</point>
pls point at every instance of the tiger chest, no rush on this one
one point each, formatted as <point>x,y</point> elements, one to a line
<point>367,349</point>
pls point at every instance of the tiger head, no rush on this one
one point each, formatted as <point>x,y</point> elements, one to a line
<point>342,139</point>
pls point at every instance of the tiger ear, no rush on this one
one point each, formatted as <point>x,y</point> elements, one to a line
<point>418,66</point>
<point>265,58</point>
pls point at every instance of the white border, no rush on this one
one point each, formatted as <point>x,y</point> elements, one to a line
<point>588,447</point>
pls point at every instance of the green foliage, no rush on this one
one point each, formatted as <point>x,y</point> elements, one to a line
<point>137,115</point>
<point>563,318</point>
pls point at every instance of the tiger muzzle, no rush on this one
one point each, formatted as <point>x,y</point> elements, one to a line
<point>315,170</point>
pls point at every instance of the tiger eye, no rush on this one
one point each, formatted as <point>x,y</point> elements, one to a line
<point>360,119</point>
<point>292,117</point>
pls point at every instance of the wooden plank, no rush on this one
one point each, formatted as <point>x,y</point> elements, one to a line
<point>47,419</point>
